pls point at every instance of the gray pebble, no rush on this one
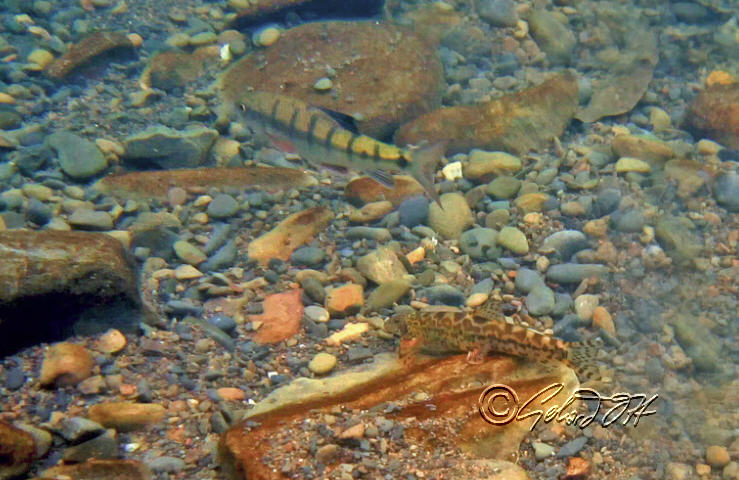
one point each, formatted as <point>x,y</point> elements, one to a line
<point>88,219</point>
<point>222,206</point>
<point>223,258</point>
<point>498,13</point>
<point>308,256</point>
<point>480,244</point>
<point>562,304</point>
<point>14,378</point>
<point>413,211</point>
<point>726,191</point>
<point>224,322</point>
<point>370,233</point>
<point>37,212</point>
<point>358,354</point>
<point>166,464</point>
<point>484,286</point>
<point>540,301</point>
<point>628,221</point>
<point>443,295</point>
<point>575,272</point>
<point>606,202</point>
<point>314,289</point>
<point>74,429</point>
<point>572,447</point>
<point>102,446</point>
<point>79,158</point>
<point>527,280</point>
<point>566,243</point>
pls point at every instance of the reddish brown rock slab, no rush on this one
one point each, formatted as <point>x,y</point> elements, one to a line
<point>101,470</point>
<point>345,299</point>
<point>17,451</point>
<point>385,75</point>
<point>715,114</point>
<point>281,319</point>
<point>264,7</point>
<point>365,190</point>
<point>156,184</point>
<point>65,364</point>
<point>289,234</point>
<point>126,416</point>
<point>84,51</point>
<point>523,121</point>
<point>444,417</point>
<point>36,263</point>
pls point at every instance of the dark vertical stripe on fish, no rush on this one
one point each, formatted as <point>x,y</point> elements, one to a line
<point>350,143</point>
<point>293,120</point>
<point>331,133</point>
<point>312,127</point>
<point>273,113</point>
<point>376,153</point>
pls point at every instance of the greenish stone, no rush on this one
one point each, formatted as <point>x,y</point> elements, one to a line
<point>78,157</point>
<point>552,36</point>
<point>514,240</point>
<point>676,236</point>
<point>385,295</point>
<point>503,187</point>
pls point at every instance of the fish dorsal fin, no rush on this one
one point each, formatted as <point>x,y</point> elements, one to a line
<point>345,121</point>
<point>382,177</point>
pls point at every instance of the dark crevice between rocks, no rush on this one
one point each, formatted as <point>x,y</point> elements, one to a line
<point>55,317</point>
<point>315,10</point>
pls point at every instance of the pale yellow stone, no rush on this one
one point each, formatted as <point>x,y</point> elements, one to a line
<point>322,363</point>
<point>351,331</point>
<point>135,39</point>
<point>3,227</point>
<point>40,57</point>
<point>620,130</point>
<point>225,149</point>
<point>202,201</point>
<point>7,99</point>
<point>266,36</point>
<point>659,119</point>
<point>201,218</point>
<point>23,18</point>
<point>39,31</point>
<point>631,164</point>
<point>533,218</point>
<point>123,236</point>
<point>476,299</point>
<point>162,273</point>
<point>187,272</point>
<point>121,7</point>
<point>522,29</point>
<point>708,147</point>
<point>110,147</point>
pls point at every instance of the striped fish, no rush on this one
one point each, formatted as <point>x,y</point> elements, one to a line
<point>486,330</point>
<point>294,125</point>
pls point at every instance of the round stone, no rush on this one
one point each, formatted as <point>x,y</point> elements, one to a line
<point>316,314</point>
<point>266,36</point>
<point>222,206</point>
<point>717,456</point>
<point>323,84</point>
<point>322,363</point>
<point>189,253</point>
<point>540,301</point>
<point>585,306</point>
<point>514,240</point>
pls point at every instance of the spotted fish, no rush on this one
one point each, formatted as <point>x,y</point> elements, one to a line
<point>487,330</point>
<point>294,125</point>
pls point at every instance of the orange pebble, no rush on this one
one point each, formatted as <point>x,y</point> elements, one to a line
<point>127,389</point>
<point>577,467</point>
<point>231,393</point>
<point>719,77</point>
<point>602,319</point>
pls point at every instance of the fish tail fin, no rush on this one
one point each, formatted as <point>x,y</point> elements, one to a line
<point>423,163</point>
<point>583,357</point>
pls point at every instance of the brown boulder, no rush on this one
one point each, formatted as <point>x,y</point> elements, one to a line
<point>66,364</point>
<point>53,275</point>
<point>715,114</point>
<point>365,190</point>
<point>126,416</point>
<point>16,451</point>
<point>384,75</point>
<point>83,52</point>
<point>523,121</point>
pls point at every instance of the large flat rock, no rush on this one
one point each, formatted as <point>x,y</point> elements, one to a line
<point>384,75</point>
<point>523,121</point>
<point>421,405</point>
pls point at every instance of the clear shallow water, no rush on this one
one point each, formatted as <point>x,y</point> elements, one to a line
<point>641,175</point>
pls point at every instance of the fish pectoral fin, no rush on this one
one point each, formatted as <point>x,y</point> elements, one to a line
<point>382,177</point>
<point>345,121</point>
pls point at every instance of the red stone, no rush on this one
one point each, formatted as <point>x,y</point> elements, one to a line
<point>281,318</point>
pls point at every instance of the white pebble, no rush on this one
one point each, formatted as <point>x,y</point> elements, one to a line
<point>452,171</point>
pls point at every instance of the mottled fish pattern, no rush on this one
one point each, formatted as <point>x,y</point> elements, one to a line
<point>321,140</point>
<point>487,330</point>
